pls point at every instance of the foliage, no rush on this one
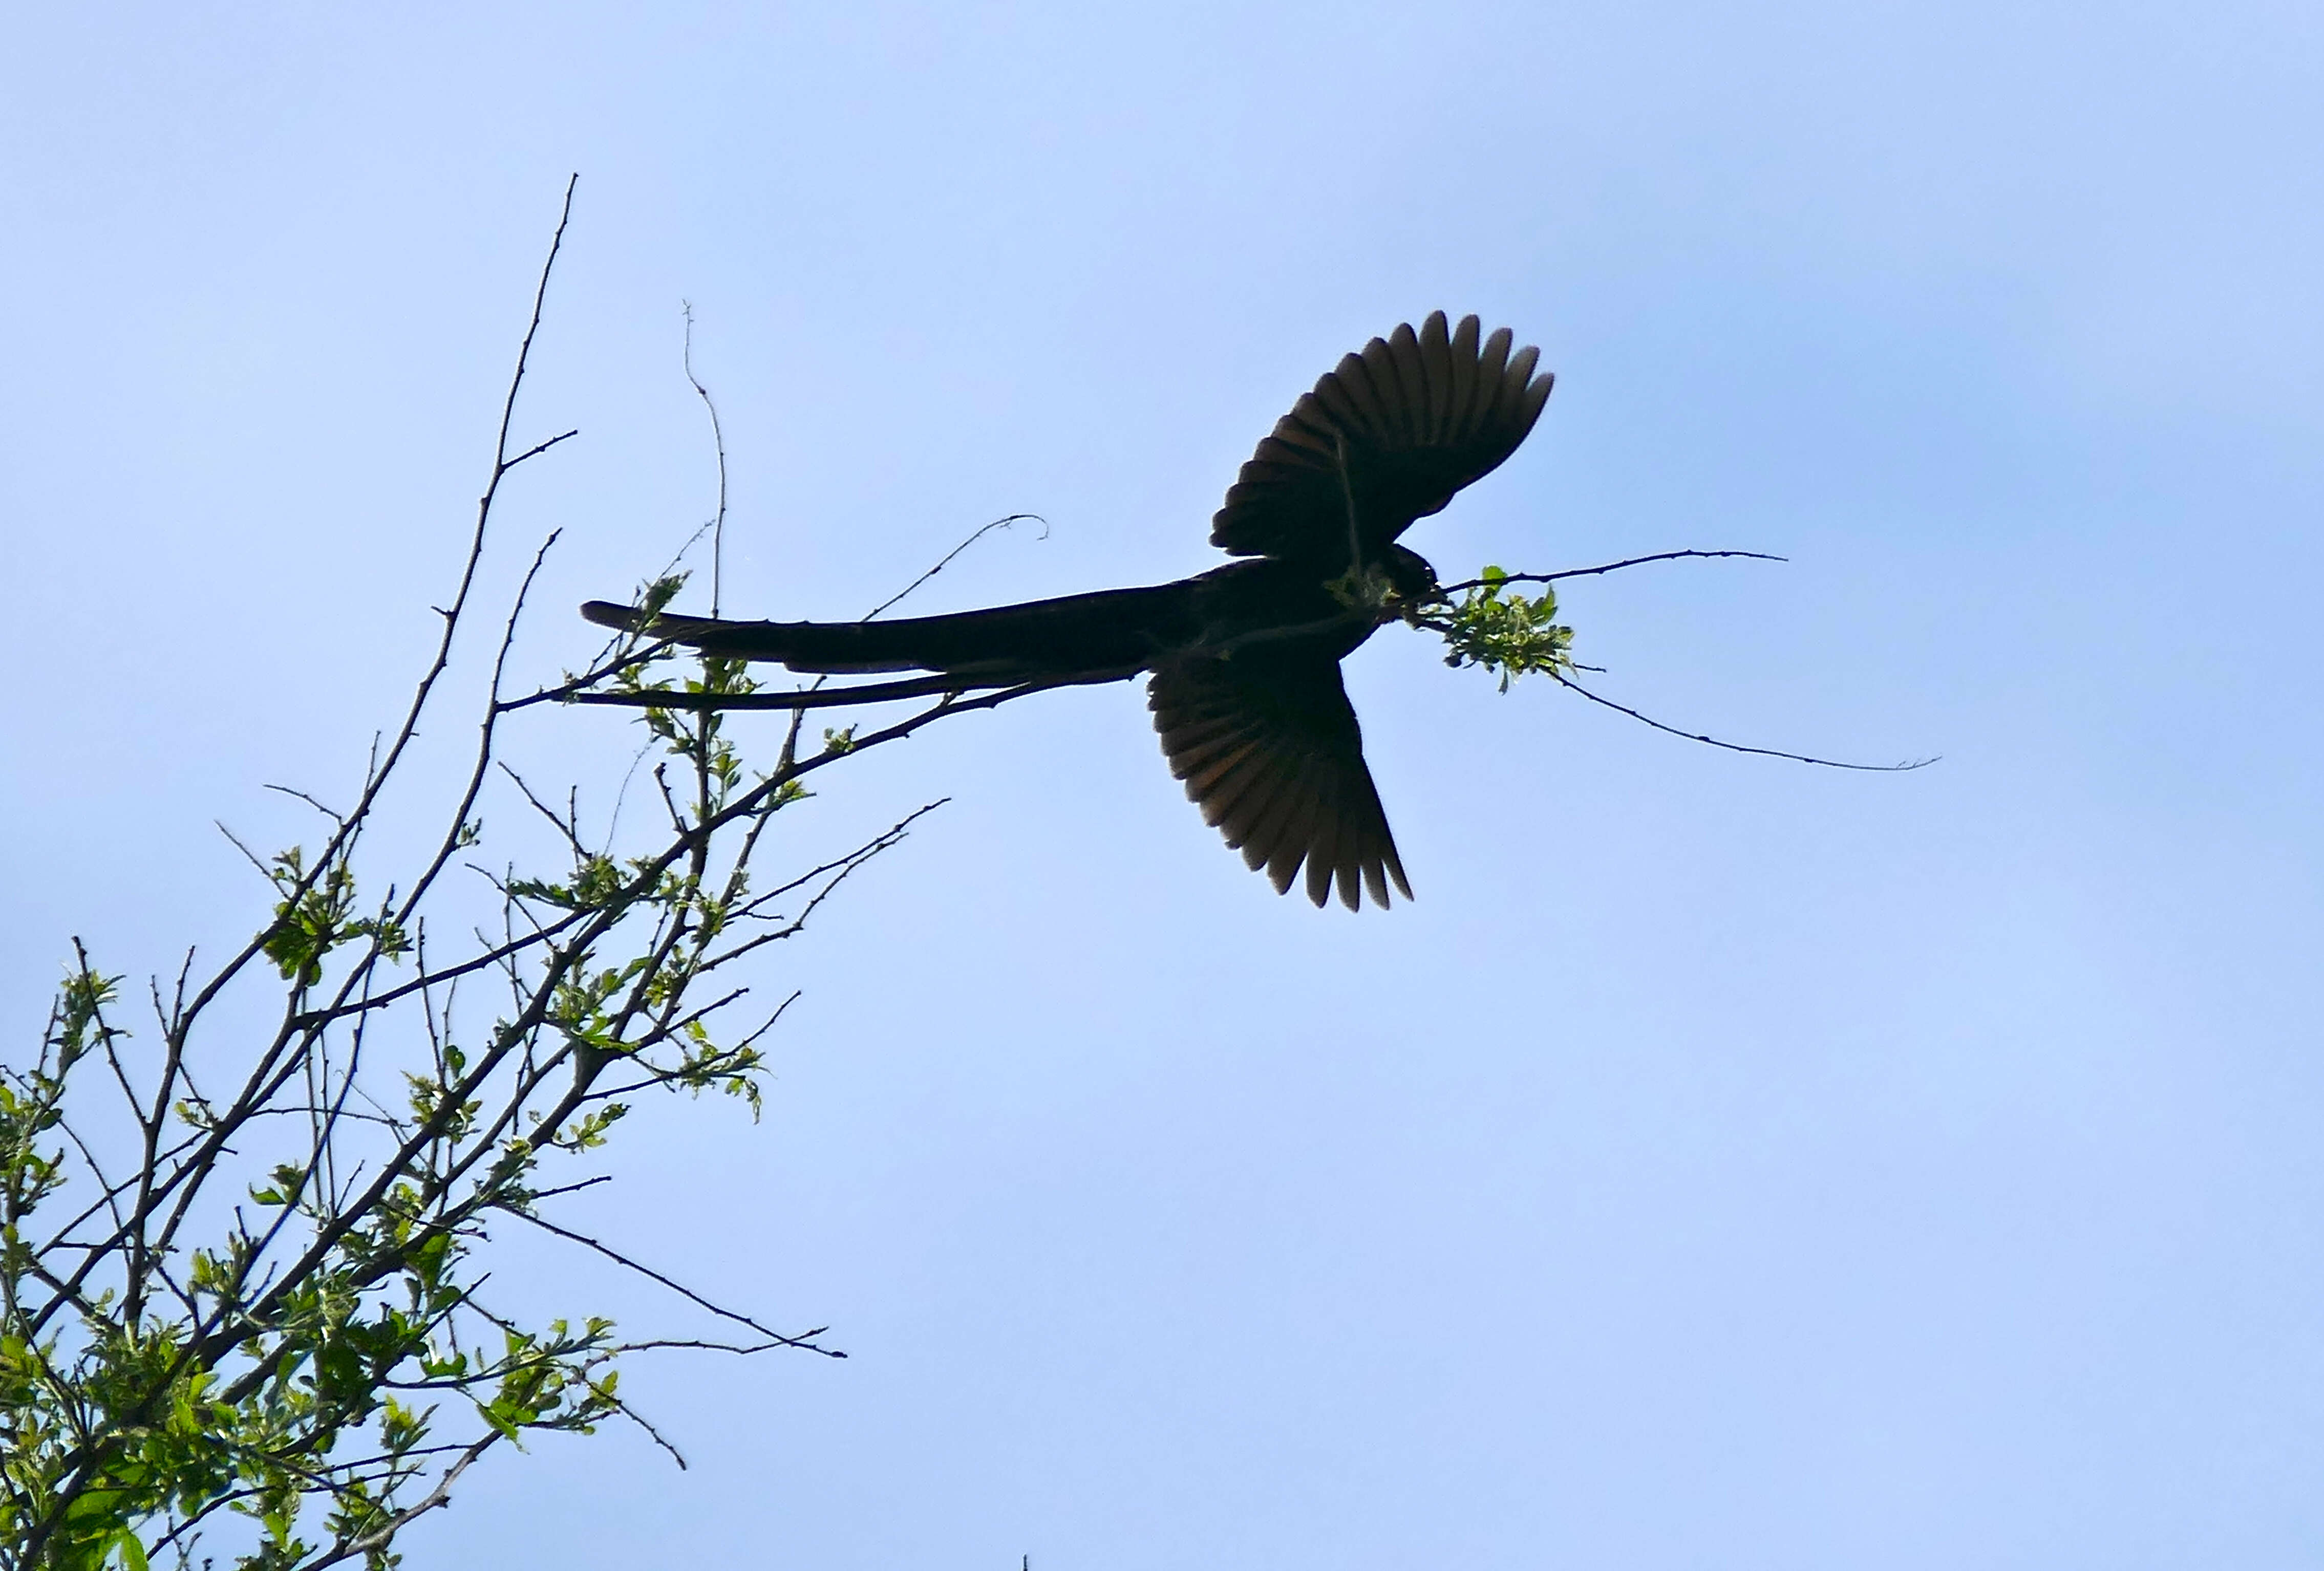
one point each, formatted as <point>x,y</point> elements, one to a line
<point>1508,632</point>
<point>275,1310</point>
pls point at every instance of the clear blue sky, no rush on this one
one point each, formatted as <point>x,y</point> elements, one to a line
<point>1724,1163</point>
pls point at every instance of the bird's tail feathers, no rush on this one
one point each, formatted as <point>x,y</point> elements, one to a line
<point>1075,634</point>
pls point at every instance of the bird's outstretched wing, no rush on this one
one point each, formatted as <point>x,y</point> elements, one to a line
<point>1392,432</point>
<point>1268,747</point>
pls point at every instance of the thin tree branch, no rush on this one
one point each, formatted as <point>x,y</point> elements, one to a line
<point>1468,583</point>
<point>618,1258</point>
<point>332,814</point>
<point>946,560</point>
<point>658,1439</point>
<point>718,438</point>
<point>441,1495</point>
<point>1737,746</point>
<point>835,697</point>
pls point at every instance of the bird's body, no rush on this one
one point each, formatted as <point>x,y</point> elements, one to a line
<point>1244,659</point>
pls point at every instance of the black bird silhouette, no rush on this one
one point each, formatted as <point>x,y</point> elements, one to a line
<point>1246,689</point>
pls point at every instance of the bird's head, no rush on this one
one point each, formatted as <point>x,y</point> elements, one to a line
<point>1388,589</point>
<point>1410,576</point>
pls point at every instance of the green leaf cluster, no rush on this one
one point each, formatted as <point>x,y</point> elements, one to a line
<point>1499,627</point>
<point>315,916</point>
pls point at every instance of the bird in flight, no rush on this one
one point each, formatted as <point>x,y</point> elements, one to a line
<point>1243,661</point>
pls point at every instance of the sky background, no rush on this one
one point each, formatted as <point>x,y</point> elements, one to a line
<point>1724,1162</point>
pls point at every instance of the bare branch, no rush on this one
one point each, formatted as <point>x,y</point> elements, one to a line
<point>718,440</point>
<point>563,826</point>
<point>946,560</point>
<point>1737,746</point>
<point>658,1439</point>
<point>332,814</point>
<point>618,1258</point>
<point>1468,583</point>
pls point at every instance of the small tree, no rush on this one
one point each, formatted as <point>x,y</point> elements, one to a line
<point>241,1280</point>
